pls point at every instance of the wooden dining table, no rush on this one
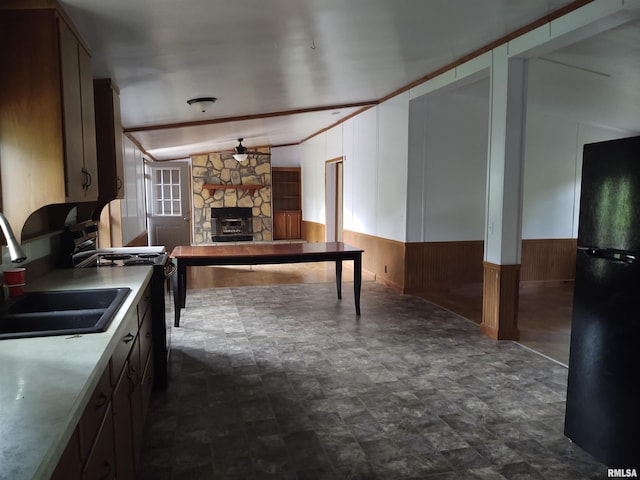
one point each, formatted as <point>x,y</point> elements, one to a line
<point>263,254</point>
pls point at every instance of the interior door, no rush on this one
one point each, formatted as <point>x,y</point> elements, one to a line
<point>169,205</point>
<point>333,200</point>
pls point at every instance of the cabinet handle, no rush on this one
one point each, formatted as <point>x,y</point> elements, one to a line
<point>106,468</point>
<point>84,178</point>
<point>102,401</point>
<point>128,337</point>
<point>118,184</point>
<point>89,179</point>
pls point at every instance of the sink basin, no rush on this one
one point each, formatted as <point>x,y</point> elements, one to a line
<point>64,312</point>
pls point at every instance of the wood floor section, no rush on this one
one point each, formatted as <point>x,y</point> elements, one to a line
<point>544,314</point>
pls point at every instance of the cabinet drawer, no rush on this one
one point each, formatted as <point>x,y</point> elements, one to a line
<point>121,352</point>
<point>94,413</point>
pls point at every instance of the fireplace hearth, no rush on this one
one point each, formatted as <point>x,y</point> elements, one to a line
<point>231,224</point>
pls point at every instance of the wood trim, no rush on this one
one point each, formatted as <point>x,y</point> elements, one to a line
<point>255,116</point>
<point>334,160</point>
<point>212,187</point>
<point>500,294</point>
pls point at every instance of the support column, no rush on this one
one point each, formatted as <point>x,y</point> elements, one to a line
<point>503,225</point>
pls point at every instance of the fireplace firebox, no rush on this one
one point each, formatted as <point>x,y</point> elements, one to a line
<point>231,224</point>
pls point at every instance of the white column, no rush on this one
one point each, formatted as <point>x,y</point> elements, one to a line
<point>503,226</point>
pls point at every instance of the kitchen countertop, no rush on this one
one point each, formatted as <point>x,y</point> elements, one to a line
<point>46,382</point>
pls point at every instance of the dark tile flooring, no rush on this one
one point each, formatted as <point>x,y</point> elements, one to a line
<point>285,382</point>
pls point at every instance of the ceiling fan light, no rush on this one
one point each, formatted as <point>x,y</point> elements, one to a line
<point>240,151</point>
<point>202,104</point>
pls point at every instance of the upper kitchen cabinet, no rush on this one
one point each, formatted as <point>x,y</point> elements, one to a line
<point>81,165</point>
<point>109,140</point>
<point>47,123</point>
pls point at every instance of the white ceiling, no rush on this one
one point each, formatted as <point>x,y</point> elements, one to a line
<point>321,58</point>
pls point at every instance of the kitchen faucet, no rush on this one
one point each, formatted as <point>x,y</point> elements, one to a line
<point>15,251</point>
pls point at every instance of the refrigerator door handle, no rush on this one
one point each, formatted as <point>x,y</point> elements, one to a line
<point>611,255</point>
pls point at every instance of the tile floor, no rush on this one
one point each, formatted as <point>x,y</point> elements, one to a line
<point>285,382</point>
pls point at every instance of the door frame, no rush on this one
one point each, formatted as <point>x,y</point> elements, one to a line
<point>334,198</point>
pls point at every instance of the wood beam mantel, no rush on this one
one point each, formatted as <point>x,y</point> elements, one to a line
<point>212,187</point>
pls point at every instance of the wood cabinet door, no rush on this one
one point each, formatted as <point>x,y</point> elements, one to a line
<point>88,132</point>
<point>71,113</point>
<point>69,466</point>
<point>81,165</point>
<point>294,228</point>
<point>122,428</point>
<point>109,143</point>
<point>101,463</point>
<point>280,226</point>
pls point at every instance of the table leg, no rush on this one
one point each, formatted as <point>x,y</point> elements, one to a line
<point>339,277</point>
<point>357,281</point>
<point>179,291</point>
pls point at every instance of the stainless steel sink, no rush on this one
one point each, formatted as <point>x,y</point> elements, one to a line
<point>64,312</point>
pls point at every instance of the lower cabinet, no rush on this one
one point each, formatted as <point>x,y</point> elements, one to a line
<point>122,425</point>
<point>107,441</point>
<point>101,462</point>
<point>287,225</point>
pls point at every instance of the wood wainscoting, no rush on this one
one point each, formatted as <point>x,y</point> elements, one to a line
<point>548,260</point>
<point>382,257</point>
<point>500,293</point>
<point>313,232</point>
<point>442,266</point>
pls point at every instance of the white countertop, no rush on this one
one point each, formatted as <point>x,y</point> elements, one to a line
<point>46,382</point>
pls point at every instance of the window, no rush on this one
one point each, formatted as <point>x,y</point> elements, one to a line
<point>166,188</point>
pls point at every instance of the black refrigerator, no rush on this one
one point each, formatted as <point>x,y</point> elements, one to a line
<point>603,390</point>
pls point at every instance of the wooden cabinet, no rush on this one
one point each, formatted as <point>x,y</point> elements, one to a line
<point>110,151</point>
<point>69,465</point>
<point>287,225</point>
<point>287,203</point>
<point>47,125</point>
<point>108,438</point>
<point>81,168</point>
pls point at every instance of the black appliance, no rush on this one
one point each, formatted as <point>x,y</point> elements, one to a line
<point>79,251</point>
<point>603,391</point>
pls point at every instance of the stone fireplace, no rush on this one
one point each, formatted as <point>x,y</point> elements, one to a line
<point>221,182</point>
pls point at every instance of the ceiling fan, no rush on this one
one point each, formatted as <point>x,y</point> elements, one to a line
<point>240,152</point>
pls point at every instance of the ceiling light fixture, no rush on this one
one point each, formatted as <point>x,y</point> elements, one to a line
<point>240,151</point>
<point>202,103</point>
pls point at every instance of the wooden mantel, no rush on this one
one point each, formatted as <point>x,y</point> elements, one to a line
<point>212,187</point>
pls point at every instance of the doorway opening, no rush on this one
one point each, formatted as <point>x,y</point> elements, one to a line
<point>333,185</point>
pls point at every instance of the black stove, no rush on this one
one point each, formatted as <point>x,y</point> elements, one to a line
<point>80,251</point>
<point>110,259</point>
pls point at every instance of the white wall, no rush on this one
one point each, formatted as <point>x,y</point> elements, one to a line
<point>448,165</point>
<point>286,156</point>
<point>133,207</point>
<point>566,108</point>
